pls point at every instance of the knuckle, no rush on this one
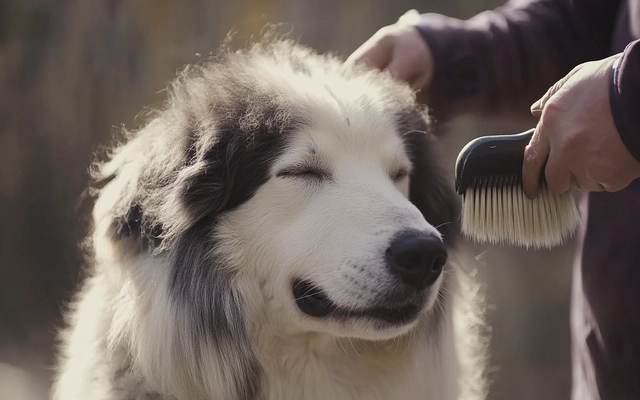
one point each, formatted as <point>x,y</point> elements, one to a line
<point>613,187</point>
<point>384,30</point>
<point>612,182</point>
<point>583,184</point>
<point>531,155</point>
<point>383,35</point>
<point>551,111</point>
<point>387,32</point>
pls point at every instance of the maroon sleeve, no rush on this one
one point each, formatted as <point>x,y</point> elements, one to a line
<point>499,62</point>
<point>625,98</point>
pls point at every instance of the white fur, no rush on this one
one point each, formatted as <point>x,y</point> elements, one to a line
<point>129,340</point>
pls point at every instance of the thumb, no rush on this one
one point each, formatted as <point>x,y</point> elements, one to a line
<point>399,68</point>
<point>538,106</point>
<point>535,156</point>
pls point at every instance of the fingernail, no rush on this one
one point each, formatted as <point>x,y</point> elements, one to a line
<point>536,107</point>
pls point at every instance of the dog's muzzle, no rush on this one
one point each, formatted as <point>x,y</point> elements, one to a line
<point>414,258</point>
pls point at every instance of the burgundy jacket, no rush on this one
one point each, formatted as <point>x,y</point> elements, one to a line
<point>497,64</point>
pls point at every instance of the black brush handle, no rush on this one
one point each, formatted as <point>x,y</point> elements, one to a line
<point>489,157</point>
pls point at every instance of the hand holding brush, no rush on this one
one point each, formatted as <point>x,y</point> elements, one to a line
<point>507,197</point>
<point>577,136</point>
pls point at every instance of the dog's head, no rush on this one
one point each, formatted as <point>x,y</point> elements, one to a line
<point>283,186</point>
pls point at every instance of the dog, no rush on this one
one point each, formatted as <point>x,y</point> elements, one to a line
<point>281,229</point>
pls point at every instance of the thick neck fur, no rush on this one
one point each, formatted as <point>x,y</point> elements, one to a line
<point>318,366</point>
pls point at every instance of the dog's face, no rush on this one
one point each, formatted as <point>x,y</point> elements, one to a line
<point>293,190</point>
<point>332,234</point>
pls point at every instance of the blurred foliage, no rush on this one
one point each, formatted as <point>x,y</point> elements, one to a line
<point>73,71</point>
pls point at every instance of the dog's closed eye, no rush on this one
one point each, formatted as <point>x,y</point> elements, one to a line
<point>304,171</point>
<point>399,174</point>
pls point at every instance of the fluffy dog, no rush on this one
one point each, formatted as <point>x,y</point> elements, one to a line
<point>279,230</point>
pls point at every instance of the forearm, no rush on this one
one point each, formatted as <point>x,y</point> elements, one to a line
<point>625,98</point>
<point>501,61</point>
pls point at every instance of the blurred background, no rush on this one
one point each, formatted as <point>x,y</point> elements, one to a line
<point>73,71</point>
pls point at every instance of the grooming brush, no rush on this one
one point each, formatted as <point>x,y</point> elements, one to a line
<point>495,208</point>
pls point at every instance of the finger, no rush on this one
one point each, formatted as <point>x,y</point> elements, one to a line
<point>399,68</point>
<point>375,52</point>
<point>586,181</point>
<point>538,106</point>
<point>614,186</point>
<point>586,184</point>
<point>420,81</point>
<point>535,155</point>
<point>557,175</point>
<point>590,186</point>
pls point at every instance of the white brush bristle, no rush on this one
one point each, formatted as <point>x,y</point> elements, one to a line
<point>506,216</point>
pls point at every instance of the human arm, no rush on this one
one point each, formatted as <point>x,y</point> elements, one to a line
<point>498,62</point>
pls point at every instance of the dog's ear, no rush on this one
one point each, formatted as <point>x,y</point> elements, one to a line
<point>164,181</point>
<point>130,224</point>
<point>136,230</point>
<point>127,186</point>
<point>429,189</point>
<point>229,172</point>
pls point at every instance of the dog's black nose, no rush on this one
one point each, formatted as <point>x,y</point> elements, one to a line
<point>416,258</point>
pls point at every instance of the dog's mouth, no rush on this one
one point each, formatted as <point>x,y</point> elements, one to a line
<point>312,301</point>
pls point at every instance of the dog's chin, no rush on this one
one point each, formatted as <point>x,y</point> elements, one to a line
<point>379,321</point>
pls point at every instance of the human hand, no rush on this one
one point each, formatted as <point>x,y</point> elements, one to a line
<point>401,50</point>
<point>577,137</point>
